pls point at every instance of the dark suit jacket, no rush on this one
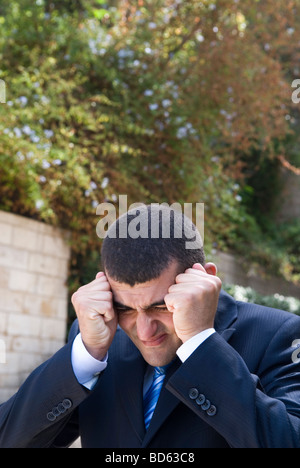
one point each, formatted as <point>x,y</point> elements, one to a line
<point>240,388</point>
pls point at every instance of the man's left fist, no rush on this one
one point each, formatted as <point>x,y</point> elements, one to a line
<point>193,300</point>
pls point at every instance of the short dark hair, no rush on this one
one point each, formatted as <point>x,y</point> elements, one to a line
<point>134,259</point>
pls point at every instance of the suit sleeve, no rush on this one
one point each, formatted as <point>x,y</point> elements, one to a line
<point>43,413</point>
<point>249,411</point>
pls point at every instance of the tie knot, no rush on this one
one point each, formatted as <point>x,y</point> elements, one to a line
<point>160,370</point>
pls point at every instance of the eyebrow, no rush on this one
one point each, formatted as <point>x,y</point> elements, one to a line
<point>119,305</point>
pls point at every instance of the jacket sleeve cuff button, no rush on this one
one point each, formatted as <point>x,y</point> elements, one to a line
<point>193,393</point>
<point>211,411</point>
<point>51,416</point>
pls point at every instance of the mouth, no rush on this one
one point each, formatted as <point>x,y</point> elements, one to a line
<point>156,341</point>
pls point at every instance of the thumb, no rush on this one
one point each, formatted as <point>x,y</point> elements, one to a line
<point>99,274</point>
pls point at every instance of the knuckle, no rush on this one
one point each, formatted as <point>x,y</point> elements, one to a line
<point>74,297</point>
<point>179,277</point>
<point>105,286</point>
<point>171,288</point>
<point>217,284</point>
<point>189,296</point>
<point>106,295</point>
<point>108,305</point>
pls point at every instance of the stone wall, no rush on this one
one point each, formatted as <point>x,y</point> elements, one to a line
<point>34,261</point>
<point>231,271</point>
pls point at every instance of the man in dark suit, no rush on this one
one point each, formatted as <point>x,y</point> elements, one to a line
<point>227,374</point>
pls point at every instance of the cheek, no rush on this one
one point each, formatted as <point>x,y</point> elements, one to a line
<point>127,322</point>
<point>166,319</point>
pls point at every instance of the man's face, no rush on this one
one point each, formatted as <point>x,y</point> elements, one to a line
<point>144,317</point>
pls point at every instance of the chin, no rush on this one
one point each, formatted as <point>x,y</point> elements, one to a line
<point>159,358</point>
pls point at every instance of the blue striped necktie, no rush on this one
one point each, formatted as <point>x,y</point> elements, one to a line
<point>153,392</point>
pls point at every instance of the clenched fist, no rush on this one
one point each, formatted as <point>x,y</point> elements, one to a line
<point>97,319</point>
<point>193,300</point>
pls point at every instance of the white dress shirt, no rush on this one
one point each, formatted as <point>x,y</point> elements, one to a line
<point>87,369</point>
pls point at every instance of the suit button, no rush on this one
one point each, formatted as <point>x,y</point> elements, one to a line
<point>206,405</point>
<point>67,403</point>
<point>193,393</point>
<point>61,408</point>
<point>211,411</point>
<point>55,411</point>
<point>51,417</point>
<point>201,399</point>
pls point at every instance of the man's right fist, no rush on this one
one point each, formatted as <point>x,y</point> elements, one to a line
<point>97,320</point>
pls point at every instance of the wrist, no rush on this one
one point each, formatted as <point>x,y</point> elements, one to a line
<point>185,337</point>
<point>189,346</point>
<point>97,353</point>
<point>85,366</point>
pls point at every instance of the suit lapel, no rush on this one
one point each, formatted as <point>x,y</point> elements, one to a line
<point>227,334</point>
<point>226,315</point>
<point>129,375</point>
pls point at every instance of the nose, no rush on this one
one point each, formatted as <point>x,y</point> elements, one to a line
<point>146,327</point>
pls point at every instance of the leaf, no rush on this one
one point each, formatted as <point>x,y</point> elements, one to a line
<point>99,13</point>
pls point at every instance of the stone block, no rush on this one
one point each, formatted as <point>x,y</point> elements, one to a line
<point>24,238</point>
<point>12,365</point>
<point>9,218</point>
<point>28,362</point>
<point>50,347</point>
<point>56,246</point>
<point>25,344</point>
<point>11,301</point>
<point>62,309</point>
<point>3,323</point>
<point>53,329</point>
<point>23,325</point>
<point>3,351</point>
<point>51,266</point>
<point>22,281</point>
<point>4,277</point>
<point>5,233</point>
<point>6,392</point>
<point>13,258</point>
<point>51,287</point>
<point>11,380</point>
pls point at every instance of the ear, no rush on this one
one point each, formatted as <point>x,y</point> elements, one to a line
<point>211,269</point>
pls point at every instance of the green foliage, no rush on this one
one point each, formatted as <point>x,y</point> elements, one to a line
<point>276,301</point>
<point>162,101</point>
<point>288,241</point>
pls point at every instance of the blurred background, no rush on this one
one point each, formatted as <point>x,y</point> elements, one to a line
<point>164,101</point>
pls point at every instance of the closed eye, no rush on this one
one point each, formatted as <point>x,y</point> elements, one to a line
<point>122,310</point>
<point>160,308</point>
<point>156,306</point>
